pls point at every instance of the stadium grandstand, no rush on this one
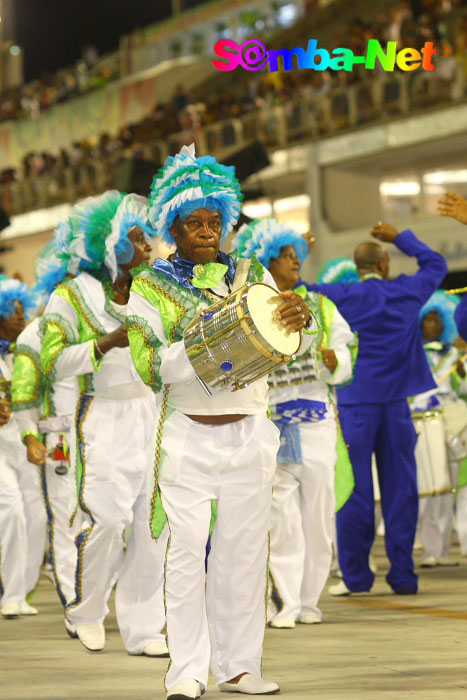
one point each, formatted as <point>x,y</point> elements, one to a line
<point>286,425</point>
<point>79,136</point>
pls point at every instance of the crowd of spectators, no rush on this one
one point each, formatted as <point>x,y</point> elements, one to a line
<point>409,24</point>
<point>28,101</point>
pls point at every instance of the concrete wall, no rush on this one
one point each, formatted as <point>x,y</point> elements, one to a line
<point>350,200</point>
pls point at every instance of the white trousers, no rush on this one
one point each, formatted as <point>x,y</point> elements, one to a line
<point>461,518</point>
<point>56,492</point>
<point>303,508</point>
<point>221,620</point>
<point>22,521</point>
<point>436,517</point>
<point>114,440</point>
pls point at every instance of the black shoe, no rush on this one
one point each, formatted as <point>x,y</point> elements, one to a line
<point>406,591</point>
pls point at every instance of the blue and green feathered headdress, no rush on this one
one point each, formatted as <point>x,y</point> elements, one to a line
<point>265,238</point>
<point>54,261</point>
<point>186,183</point>
<point>445,305</point>
<point>90,222</point>
<point>11,291</point>
<point>132,211</point>
<point>338,270</point>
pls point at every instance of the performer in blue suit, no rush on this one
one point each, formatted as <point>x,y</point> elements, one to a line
<point>455,206</point>
<point>374,414</point>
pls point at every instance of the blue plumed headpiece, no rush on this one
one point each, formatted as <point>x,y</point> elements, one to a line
<point>12,290</point>
<point>94,238</point>
<point>132,211</point>
<point>265,238</point>
<point>54,261</point>
<point>186,183</point>
<point>445,305</point>
<point>338,270</point>
<point>90,222</point>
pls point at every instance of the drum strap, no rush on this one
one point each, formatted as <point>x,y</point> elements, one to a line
<point>241,274</point>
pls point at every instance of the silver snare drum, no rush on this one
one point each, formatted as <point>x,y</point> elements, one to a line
<point>433,474</point>
<point>237,340</point>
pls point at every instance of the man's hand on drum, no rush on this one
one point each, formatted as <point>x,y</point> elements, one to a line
<point>294,314</point>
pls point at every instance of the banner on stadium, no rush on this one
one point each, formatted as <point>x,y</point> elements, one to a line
<point>103,111</point>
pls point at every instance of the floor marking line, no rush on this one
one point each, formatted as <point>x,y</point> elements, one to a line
<point>412,609</point>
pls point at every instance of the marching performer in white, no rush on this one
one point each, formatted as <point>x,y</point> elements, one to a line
<point>84,336</point>
<point>439,332</point>
<point>22,512</point>
<point>210,448</point>
<point>44,413</point>
<point>303,407</point>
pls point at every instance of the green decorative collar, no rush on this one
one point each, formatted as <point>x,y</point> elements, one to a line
<point>209,275</point>
<point>301,291</point>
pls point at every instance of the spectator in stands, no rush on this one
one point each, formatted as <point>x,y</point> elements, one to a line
<point>180,99</point>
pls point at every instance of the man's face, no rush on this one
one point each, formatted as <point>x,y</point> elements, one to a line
<point>285,268</point>
<point>198,237</point>
<point>142,248</point>
<point>12,326</point>
<point>432,326</point>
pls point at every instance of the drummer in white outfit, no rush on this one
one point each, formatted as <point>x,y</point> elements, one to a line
<point>112,433</point>
<point>436,512</point>
<point>220,447</point>
<point>22,512</point>
<point>44,415</point>
<point>302,402</point>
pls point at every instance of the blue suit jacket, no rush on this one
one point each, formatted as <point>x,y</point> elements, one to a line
<point>391,363</point>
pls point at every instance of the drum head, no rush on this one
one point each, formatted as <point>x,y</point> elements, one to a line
<point>263,301</point>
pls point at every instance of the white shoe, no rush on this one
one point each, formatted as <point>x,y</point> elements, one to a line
<point>91,636</point>
<point>282,623</point>
<point>429,562</point>
<point>11,610</point>
<point>251,685</point>
<point>310,619</point>
<point>184,689</point>
<point>339,589</point>
<point>70,629</point>
<point>156,649</point>
<point>26,609</point>
<point>446,561</point>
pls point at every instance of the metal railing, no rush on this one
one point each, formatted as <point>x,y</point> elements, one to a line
<point>302,119</point>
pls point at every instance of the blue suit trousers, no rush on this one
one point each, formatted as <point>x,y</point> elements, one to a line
<point>388,431</point>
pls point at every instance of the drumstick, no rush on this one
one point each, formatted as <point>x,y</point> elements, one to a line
<point>241,275</point>
<point>453,369</point>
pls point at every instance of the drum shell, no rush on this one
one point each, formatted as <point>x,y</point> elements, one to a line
<point>455,418</point>
<point>225,333</point>
<point>433,474</point>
